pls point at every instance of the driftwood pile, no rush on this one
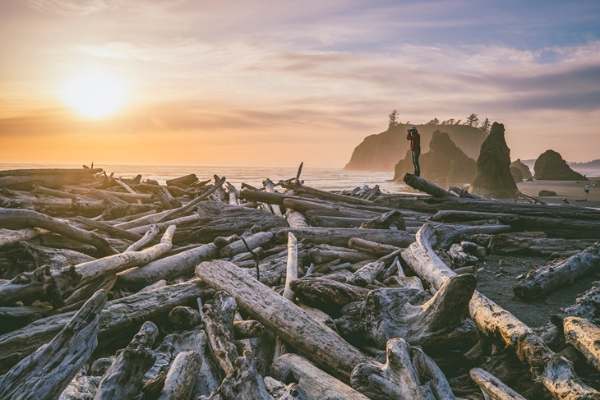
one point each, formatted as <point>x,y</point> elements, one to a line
<point>122,288</point>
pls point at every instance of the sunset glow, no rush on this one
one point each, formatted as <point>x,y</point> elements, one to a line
<point>94,95</point>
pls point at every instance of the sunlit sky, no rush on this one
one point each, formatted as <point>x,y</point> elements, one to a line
<point>268,82</point>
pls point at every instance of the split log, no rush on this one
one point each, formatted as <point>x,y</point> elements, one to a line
<point>316,383</point>
<point>548,278</point>
<point>9,237</point>
<point>583,335</point>
<point>319,343</point>
<point>554,371</point>
<point>124,377</point>
<point>181,264</point>
<point>47,372</point>
<point>19,219</point>
<point>182,376</point>
<point>493,387</point>
<point>425,186</point>
<point>341,236</point>
<point>408,374</point>
<point>139,307</point>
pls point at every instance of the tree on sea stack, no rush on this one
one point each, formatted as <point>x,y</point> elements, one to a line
<point>493,177</point>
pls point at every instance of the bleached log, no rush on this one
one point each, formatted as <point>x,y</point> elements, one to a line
<point>185,208</point>
<point>372,247</point>
<point>493,387</point>
<point>53,192</point>
<point>324,253</point>
<point>150,234</point>
<point>19,219</point>
<point>319,343</point>
<point>554,371</point>
<point>182,376</point>
<point>124,377</point>
<point>550,277</point>
<point>111,230</point>
<point>316,383</point>
<point>9,237</point>
<point>366,274</point>
<point>295,219</point>
<point>252,241</point>
<point>190,219</point>
<point>139,307</point>
<point>166,199</point>
<point>408,374</point>
<point>270,188</point>
<point>322,194</point>
<point>583,335</point>
<point>47,372</point>
<point>425,186</point>
<point>141,220</point>
<point>341,236</point>
<point>333,221</point>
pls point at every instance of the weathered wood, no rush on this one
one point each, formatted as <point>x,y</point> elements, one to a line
<point>251,241</point>
<point>123,379</point>
<point>372,247</point>
<point>493,387</point>
<point>182,376</point>
<point>552,370</point>
<point>218,323</point>
<point>184,317</point>
<point>19,219</point>
<point>366,274</point>
<point>111,230</point>
<point>139,307</point>
<point>550,277</point>
<point>389,220</point>
<point>341,236</point>
<point>319,343</point>
<point>408,374</point>
<point>182,221</point>
<point>295,219</point>
<point>517,244</point>
<point>47,372</point>
<point>324,253</point>
<point>9,237</point>
<point>583,335</point>
<point>425,186</point>
<point>185,208</point>
<point>324,293</point>
<point>316,383</point>
<point>150,234</point>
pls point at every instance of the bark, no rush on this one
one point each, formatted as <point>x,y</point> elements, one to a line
<point>20,219</point>
<point>48,371</point>
<point>182,376</point>
<point>408,374</point>
<point>548,278</point>
<point>284,318</point>
<point>552,370</point>
<point>583,335</point>
<point>493,387</point>
<point>341,236</point>
<point>316,383</point>
<point>124,377</point>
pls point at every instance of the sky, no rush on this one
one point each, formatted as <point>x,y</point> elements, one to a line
<point>276,83</point>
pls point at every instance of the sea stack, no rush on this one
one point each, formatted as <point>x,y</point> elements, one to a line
<point>493,177</point>
<point>551,166</point>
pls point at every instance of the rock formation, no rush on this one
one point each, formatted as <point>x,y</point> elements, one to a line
<point>551,166</point>
<point>444,163</point>
<point>520,171</point>
<point>381,152</point>
<point>493,167</point>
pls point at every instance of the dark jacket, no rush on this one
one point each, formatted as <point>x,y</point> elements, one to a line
<point>415,140</point>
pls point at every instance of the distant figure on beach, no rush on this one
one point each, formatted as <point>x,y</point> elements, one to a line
<point>587,188</point>
<point>415,148</point>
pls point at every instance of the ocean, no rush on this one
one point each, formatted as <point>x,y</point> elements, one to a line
<point>325,178</point>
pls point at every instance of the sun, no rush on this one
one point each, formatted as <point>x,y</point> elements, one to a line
<point>94,95</point>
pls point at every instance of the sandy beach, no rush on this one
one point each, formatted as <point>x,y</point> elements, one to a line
<point>566,191</point>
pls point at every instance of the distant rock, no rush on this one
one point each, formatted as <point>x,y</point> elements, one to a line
<point>443,163</point>
<point>516,173</point>
<point>381,152</point>
<point>493,177</point>
<point>546,193</point>
<point>525,171</point>
<point>550,166</point>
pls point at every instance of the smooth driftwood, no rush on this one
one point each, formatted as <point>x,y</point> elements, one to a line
<point>185,208</point>
<point>372,247</point>
<point>316,383</point>
<point>182,376</point>
<point>341,236</point>
<point>550,277</point>
<point>139,307</point>
<point>111,230</point>
<point>19,219</point>
<point>181,264</point>
<point>425,186</point>
<point>148,237</point>
<point>583,335</point>
<point>123,379</point>
<point>49,370</point>
<point>295,219</point>
<point>317,342</point>
<point>554,371</point>
<point>9,237</point>
<point>493,387</point>
<point>407,374</point>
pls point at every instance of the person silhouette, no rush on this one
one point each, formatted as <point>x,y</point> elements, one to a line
<point>415,148</point>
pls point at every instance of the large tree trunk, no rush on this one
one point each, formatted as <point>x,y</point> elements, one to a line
<point>313,339</point>
<point>554,371</point>
<point>423,185</point>
<point>49,370</point>
<point>583,335</point>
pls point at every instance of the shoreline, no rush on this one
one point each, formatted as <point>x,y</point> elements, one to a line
<point>571,192</point>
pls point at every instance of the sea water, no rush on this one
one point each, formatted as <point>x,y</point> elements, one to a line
<point>324,178</point>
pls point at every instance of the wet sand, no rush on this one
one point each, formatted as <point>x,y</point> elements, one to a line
<point>566,191</point>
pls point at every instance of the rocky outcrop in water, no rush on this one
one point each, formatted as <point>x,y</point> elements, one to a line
<point>520,171</point>
<point>550,166</point>
<point>381,152</point>
<point>493,177</point>
<point>444,163</point>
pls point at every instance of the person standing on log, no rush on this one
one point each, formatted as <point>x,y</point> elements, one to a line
<point>415,148</point>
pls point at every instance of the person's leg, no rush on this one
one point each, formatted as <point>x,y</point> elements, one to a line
<point>415,159</point>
